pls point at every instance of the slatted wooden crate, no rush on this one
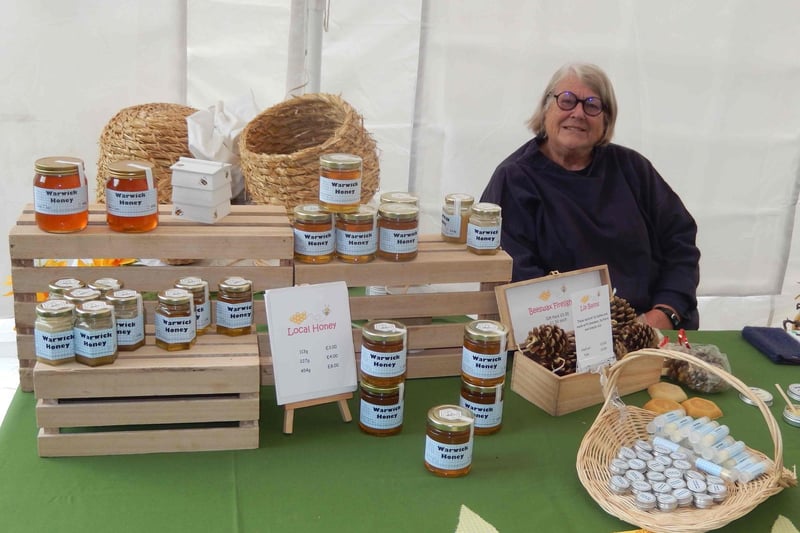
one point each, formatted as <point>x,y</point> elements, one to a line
<point>255,242</point>
<point>463,283</point>
<point>150,400</point>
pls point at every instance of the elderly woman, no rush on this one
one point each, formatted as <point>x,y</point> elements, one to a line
<point>571,199</point>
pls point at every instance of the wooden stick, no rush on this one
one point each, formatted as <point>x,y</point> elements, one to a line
<point>788,401</point>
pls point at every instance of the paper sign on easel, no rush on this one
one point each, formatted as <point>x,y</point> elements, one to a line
<point>311,340</point>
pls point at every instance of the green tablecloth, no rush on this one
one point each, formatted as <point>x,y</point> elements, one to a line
<point>328,476</point>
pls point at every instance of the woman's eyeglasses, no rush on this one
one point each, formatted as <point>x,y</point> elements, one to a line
<point>567,101</point>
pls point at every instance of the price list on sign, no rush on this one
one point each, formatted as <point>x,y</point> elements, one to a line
<point>311,340</point>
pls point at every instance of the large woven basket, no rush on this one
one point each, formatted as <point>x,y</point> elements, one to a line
<point>616,426</point>
<point>280,149</point>
<point>156,133</point>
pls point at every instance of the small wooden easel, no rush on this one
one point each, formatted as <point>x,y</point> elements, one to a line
<point>341,399</point>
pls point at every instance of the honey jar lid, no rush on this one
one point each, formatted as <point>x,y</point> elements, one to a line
<point>81,294</point>
<point>60,286</point>
<point>452,418</point>
<point>340,161</point>
<point>399,197</point>
<point>235,284</point>
<point>485,330</point>
<point>190,283</point>
<point>478,389</point>
<point>395,211</point>
<point>54,308</point>
<point>105,284</point>
<point>175,296</point>
<point>57,165</point>
<point>94,308</point>
<point>365,213</point>
<point>466,200</point>
<point>384,331</point>
<point>381,391</point>
<point>311,213</point>
<point>486,209</point>
<point>121,296</point>
<point>129,169</point>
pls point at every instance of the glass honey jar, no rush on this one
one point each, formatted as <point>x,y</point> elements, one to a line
<point>131,197</point>
<point>174,320</point>
<point>340,182</point>
<point>398,231</point>
<point>95,333</point>
<point>313,234</point>
<point>356,235</point>
<point>54,337</point>
<point>234,308</point>
<point>399,197</point>
<point>483,230</point>
<point>383,352</point>
<point>486,405</point>
<point>202,302</point>
<point>484,356</point>
<point>128,317</point>
<point>455,217</point>
<point>57,288</point>
<point>448,441</point>
<point>381,412</point>
<point>60,194</point>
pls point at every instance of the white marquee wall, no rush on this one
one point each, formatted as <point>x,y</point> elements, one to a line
<point>705,91</point>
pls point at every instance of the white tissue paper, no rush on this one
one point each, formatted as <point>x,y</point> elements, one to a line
<point>214,134</point>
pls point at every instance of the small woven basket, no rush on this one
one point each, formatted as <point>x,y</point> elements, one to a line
<point>156,133</point>
<point>280,149</point>
<point>617,426</point>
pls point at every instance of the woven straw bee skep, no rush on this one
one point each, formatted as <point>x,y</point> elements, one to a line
<point>280,149</point>
<point>156,133</point>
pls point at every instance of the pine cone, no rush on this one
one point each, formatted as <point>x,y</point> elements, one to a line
<point>620,350</point>
<point>621,313</point>
<point>546,344</point>
<point>637,335</point>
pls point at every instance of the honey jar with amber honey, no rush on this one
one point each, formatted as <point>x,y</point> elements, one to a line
<point>484,357</point>
<point>131,197</point>
<point>60,195</point>
<point>448,441</point>
<point>340,182</point>
<point>356,235</point>
<point>398,231</point>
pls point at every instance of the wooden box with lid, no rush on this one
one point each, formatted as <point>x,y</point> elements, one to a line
<point>557,394</point>
<point>205,398</point>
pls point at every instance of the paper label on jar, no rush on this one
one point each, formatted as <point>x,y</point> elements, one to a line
<point>451,224</point>
<point>356,242</point>
<point>483,366</point>
<point>313,242</point>
<point>61,201</point>
<point>447,456</point>
<point>202,315</point>
<point>54,346</point>
<point>95,343</point>
<point>234,315</point>
<point>131,204</point>
<point>381,416</point>
<point>344,192</point>
<point>175,330</point>
<point>130,330</point>
<point>383,364</point>
<point>483,237</point>
<point>486,415</point>
<point>399,241</point>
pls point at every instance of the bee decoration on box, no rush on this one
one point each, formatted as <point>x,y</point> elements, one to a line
<point>793,326</point>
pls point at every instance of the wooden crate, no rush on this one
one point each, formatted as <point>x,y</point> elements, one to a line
<point>463,284</point>
<point>255,242</point>
<point>150,400</point>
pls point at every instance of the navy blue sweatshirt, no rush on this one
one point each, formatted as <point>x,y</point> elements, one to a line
<point>618,211</point>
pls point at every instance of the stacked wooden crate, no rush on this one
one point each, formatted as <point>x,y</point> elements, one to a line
<point>202,399</point>
<point>434,294</point>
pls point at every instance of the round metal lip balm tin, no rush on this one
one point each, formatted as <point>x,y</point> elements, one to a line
<point>764,395</point>
<point>792,418</point>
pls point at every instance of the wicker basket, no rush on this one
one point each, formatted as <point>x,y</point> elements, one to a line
<point>156,133</point>
<point>615,427</point>
<point>280,149</point>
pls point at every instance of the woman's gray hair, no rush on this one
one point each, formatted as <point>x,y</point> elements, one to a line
<point>593,77</point>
